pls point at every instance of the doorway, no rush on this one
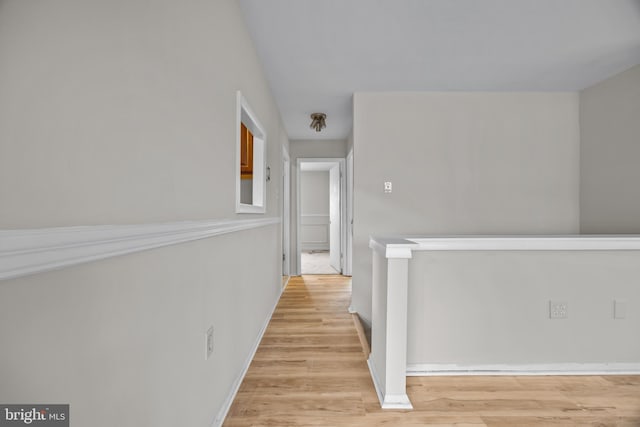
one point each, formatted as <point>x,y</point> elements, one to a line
<point>286,209</point>
<point>320,216</point>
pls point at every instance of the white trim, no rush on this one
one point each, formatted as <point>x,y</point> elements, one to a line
<point>259,196</point>
<point>343,214</point>
<point>393,247</point>
<point>387,401</point>
<point>376,381</point>
<point>224,410</point>
<point>426,370</point>
<point>286,212</point>
<point>340,161</point>
<point>396,401</point>
<point>348,229</point>
<point>528,243</point>
<point>24,252</point>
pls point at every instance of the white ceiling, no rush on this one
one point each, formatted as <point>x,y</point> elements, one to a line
<point>316,54</point>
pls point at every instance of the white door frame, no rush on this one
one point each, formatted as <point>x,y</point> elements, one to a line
<point>336,248</point>
<point>340,161</point>
<point>286,212</point>
<point>348,253</point>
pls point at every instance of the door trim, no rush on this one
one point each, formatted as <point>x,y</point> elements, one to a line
<point>340,161</point>
<point>348,236</point>
<point>286,212</point>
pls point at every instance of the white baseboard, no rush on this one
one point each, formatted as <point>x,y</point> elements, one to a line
<point>387,401</point>
<point>224,410</point>
<point>426,370</point>
<point>374,378</point>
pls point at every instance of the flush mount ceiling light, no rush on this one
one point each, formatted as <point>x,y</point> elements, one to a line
<point>318,121</point>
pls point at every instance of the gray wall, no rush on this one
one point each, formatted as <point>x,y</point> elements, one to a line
<point>325,148</point>
<point>123,340</point>
<point>462,163</point>
<point>610,149</point>
<point>117,112</point>
<point>317,148</point>
<point>314,210</point>
<point>314,198</point>
<point>492,307</point>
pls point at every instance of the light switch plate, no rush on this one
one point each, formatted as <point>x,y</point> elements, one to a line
<point>388,187</point>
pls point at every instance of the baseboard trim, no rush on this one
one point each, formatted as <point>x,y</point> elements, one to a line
<point>374,378</point>
<point>400,401</point>
<point>286,282</point>
<point>30,251</point>
<point>427,370</point>
<point>224,410</point>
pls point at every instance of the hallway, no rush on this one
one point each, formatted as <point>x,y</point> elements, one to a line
<point>310,370</point>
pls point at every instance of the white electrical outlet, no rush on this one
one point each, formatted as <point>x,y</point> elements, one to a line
<point>558,309</point>
<point>619,309</point>
<point>388,187</point>
<point>209,343</point>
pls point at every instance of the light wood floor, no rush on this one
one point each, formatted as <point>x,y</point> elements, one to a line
<point>310,371</point>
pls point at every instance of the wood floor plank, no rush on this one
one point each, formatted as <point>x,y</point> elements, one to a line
<point>310,370</point>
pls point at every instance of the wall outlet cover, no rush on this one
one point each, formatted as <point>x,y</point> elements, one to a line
<point>619,309</point>
<point>558,309</point>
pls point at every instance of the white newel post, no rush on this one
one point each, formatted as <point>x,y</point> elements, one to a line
<point>388,358</point>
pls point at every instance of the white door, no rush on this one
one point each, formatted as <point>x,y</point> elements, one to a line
<point>286,207</point>
<point>348,256</point>
<point>334,218</point>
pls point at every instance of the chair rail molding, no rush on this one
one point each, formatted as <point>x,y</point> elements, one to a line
<point>30,251</point>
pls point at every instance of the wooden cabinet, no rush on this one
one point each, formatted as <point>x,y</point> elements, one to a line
<point>246,153</point>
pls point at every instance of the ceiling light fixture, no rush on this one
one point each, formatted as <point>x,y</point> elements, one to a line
<point>318,121</point>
